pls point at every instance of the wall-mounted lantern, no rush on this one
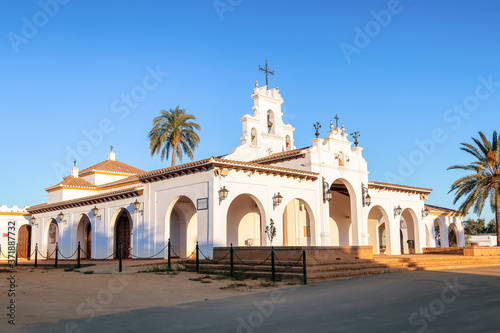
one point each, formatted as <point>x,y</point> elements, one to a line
<point>223,192</point>
<point>277,199</point>
<point>397,211</point>
<point>327,194</point>
<point>425,212</point>
<point>95,211</point>
<point>367,200</point>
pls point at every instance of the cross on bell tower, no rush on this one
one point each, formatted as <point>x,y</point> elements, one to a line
<point>267,71</point>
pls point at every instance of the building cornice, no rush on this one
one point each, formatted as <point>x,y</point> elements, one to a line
<point>214,162</point>
<point>86,201</point>
<point>398,188</point>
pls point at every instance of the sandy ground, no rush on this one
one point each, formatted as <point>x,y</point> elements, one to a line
<point>49,294</point>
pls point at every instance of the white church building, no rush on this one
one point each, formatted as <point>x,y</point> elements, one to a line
<point>320,195</point>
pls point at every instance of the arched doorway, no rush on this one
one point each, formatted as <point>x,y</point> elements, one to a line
<point>53,239</point>
<point>453,235</point>
<point>437,233</point>
<point>24,241</point>
<point>341,214</point>
<point>183,224</point>
<point>84,236</point>
<point>377,218</point>
<point>296,224</point>
<point>244,222</point>
<point>408,233</point>
<point>123,233</point>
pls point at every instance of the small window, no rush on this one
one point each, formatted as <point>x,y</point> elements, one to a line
<point>288,144</point>
<point>270,121</point>
<point>253,135</point>
<point>52,233</point>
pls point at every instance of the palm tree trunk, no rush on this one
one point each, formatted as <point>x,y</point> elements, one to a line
<point>497,217</point>
<point>174,154</point>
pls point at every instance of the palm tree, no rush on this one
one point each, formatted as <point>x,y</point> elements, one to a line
<point>174,130</point>
<point>484,181</point>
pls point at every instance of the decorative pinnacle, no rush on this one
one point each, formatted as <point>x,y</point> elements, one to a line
<point>356,135</point>
<point>317,126</point>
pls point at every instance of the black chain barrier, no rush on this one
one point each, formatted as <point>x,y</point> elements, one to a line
<point>20,256</point>
<point>154,255</point>
<point>218,261</point>
<point>247,264</point>
<point>46,257</point>
<point>281,264</point>
<point>62,255</point>
<point>188,257</point>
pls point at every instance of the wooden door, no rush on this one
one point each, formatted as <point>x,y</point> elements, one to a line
<point>24,241</point>
<point>123,235</point>
<point>89,241</point>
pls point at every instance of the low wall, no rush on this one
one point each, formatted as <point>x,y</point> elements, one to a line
<point>470,251</point>
<point>292,253</point>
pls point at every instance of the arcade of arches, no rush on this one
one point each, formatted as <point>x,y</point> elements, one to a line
<point>183,224</point>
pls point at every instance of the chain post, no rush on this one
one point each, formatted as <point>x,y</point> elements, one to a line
<point>197,258</point>
<point>57,254</point>
<point>304,266</point>
<point>36,255</point>
<point>231,262</point>
<point>120,257</point>
<point>169,259</point>
<point>273,269</point>
<point>78,263</point>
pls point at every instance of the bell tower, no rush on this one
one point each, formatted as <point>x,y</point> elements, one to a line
<point>264,133</point>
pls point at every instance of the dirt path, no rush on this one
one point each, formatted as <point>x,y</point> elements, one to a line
<point>49,295</point>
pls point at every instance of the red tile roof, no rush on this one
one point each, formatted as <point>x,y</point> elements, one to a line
<point>282,156</point>
<point>73,182</point>
<point>231,164</point>
<point>112,166</point>
<point>399,188</point>
<point>444,210</point>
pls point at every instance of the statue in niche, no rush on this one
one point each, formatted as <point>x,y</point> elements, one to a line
<point>341,159</point>
<point>269,123</point>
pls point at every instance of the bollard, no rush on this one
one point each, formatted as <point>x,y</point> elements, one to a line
<point>304,266</point>
<point>231,259</point>
<point>78,262</point>
<point>197,258</point>
<point>36,255</point>
<point>273,271</point>
<point>120,257</point>
<point>17,253</point>
<point>57,254</point>
<point>169,261</point>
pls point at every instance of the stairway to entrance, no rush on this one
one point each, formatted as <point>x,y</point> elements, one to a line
<point>338,269</point>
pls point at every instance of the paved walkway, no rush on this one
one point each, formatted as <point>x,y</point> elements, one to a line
<point>461,300</point>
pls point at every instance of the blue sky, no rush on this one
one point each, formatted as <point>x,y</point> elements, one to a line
<point>67,69</point>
